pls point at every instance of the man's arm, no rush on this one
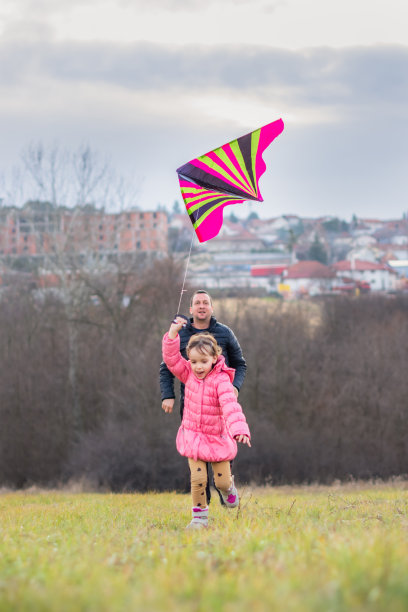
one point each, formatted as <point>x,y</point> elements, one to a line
<point>236,360</point>
<point>166,388</point>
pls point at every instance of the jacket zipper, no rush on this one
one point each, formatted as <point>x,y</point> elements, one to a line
<point>201,405</point>
<point>201,411</point>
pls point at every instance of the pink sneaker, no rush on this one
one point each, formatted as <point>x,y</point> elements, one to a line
<point>200,519</point>
<point>230,497</point>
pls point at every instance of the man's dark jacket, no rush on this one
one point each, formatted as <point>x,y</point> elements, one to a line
<point>230,349</point>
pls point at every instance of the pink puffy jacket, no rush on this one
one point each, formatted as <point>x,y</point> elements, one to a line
<point>212,416</point>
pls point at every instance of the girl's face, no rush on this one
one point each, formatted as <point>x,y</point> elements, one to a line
<point>201,363</point>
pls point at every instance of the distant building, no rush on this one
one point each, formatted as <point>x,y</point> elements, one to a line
<point>269,275</point>
<point>398,251</point>
<point>41,229</point>
<point>372,225</point>
<point>307,278</point>
<point>234,269</point>
<point>234,237</point>
<point>401,269</point>
<point>364,253</point>
<point>244,241</point>
<point>268,270</point>
<point>379,276</point>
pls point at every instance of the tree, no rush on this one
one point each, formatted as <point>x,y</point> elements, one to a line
<point>62,185</point>
<point>291,243</point>
<point>176,208</point>
<point>336,225</point>
<point>317,251</point>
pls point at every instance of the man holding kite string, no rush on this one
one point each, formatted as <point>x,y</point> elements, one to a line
<point>203,320</point>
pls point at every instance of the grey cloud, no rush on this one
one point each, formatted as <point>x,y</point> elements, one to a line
<point>51,7</point>
<point>28,31</point>
<point>322,76</point>
<point>197,5</point>
<point>48,7</point>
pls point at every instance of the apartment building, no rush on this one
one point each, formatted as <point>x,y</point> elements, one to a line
<point>40,229</point>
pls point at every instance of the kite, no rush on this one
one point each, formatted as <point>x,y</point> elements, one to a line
<point>227,175</point>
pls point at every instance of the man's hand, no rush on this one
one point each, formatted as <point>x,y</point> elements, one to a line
<point>168,404</point>
<point>236,392</point>
<point>244,439</point>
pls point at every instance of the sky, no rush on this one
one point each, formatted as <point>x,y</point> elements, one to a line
<point>154,84</point>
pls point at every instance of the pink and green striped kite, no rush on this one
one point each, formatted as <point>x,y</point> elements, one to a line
<point>228,175</point>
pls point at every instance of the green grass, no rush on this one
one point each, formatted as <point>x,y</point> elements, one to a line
<point>292,549</point>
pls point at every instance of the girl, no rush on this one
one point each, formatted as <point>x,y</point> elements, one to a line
<point>212,420</point>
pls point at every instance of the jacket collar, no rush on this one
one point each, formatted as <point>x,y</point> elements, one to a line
<point>213,322</point>
<point>221,366</point>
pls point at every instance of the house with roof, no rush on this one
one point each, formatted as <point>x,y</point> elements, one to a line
<point>274,232</point>
<point>268,275</point>
<point>240,240</point>
<point>397,250</point>
<point>364,240</point>
<point>342,240</point>
<point>400,239</point>
<point>364,253</point>
<point>390,233</point>
<point>275,224</point>
<point>379,276</point>
<point>400,266</point>
<point>307,278</point>
<point>253,271</point>
<point>372,225</point>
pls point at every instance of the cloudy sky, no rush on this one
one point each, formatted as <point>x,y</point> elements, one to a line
<point>154,84</point>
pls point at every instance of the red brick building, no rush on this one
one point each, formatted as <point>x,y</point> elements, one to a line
<point>40,229</point>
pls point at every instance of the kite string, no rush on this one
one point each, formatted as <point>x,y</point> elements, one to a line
<point>185,275</point>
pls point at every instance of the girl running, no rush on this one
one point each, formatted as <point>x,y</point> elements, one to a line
<point>213,421</point>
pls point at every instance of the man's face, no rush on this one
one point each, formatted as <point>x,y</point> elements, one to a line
<point>201,309</point>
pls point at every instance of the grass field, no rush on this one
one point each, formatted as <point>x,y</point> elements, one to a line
<point>322,549</point>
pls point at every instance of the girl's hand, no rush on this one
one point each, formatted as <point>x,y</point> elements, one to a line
<point>175,327</point>
<point>244,439</point>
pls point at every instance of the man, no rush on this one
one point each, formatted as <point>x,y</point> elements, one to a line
<point>202,320</point>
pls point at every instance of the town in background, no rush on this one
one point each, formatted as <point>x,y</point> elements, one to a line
<point>288,257</point>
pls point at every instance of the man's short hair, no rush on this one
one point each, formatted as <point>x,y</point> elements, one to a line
<point>200,291</point>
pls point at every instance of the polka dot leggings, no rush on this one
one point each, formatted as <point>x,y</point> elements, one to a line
<point>198,469</point>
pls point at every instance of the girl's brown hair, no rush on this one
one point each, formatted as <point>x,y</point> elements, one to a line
<point>204,343</point>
